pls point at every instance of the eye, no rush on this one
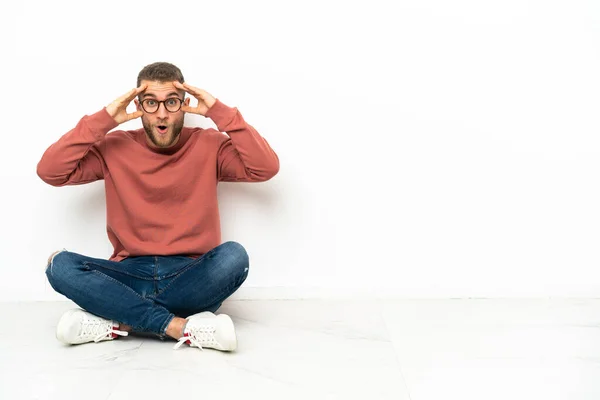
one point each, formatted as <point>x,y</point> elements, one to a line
<point>150,103</point>
<point>172,102</point>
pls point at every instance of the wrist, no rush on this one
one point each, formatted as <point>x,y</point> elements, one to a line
<point>111,111</point>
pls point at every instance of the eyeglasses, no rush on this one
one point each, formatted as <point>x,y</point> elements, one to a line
<point>172,104</point>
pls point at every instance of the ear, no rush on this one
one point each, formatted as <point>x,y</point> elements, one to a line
<point>186,101</point>
<point>137,104</point>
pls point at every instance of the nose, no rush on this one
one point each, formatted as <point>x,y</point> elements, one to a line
<point>162,112</point>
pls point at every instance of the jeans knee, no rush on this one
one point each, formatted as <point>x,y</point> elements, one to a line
<point>51,258</point>
<point>60,266</point>
<point>238,258</point>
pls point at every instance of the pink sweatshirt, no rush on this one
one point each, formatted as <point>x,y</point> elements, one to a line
<point>160,201</point>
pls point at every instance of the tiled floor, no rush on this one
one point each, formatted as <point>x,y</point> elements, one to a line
<point>317,349</point>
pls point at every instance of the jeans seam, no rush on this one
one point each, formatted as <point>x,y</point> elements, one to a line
<point>175,279</point>
<point>122,284</point>
<point>223,294</point>
<point>191,264</point>
<point>86,263</point>
<point>155,274</point>
<point>184,268</point>
<point>163,328</point>
<point>134,292</point>
<point>227,292</point>
<point>159,292</point>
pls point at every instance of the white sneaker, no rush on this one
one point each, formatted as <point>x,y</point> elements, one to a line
<point>77,326</point>
<point>206,329</point>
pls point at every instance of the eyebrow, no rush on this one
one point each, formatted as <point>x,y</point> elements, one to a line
<point>152,95</point>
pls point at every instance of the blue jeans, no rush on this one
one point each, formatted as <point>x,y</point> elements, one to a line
<point>146,292</point>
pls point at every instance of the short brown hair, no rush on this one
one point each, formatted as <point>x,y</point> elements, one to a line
<point>160,71</point>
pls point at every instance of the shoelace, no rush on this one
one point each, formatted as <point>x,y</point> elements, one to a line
<point>99,329</point>
<point>198,336</point>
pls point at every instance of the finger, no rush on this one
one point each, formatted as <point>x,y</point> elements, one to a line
<point>127,97</point>
<point>134,115</point>
<point>200,94</point>
<point>133,93</point>
<point>193,90</point>
<point>141,88</point>
<point>124,97</point>
<point>179,86</point>
<point>187,109</point>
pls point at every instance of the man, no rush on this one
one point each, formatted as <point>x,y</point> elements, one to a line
<point>169,271</point>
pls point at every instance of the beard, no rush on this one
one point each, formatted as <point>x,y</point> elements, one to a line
<point>166,140</point>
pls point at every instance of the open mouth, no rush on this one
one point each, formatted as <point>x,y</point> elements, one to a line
<point>162,129</point>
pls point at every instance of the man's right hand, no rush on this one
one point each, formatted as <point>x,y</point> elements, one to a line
<point>118,108</point>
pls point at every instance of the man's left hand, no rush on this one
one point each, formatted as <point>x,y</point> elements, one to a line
<point>205,99</point>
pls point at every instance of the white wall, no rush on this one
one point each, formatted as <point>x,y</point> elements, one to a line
<point>428,148</point>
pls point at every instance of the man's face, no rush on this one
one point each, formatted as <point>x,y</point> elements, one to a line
<point>162,127</point>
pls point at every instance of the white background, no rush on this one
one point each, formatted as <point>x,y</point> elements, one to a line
<point>428,148</point>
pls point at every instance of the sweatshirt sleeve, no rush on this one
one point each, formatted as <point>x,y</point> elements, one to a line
<point>75,159</point>
<point>244,156</point>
